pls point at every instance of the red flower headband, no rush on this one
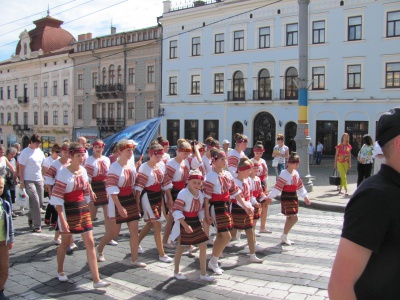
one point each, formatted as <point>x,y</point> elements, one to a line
<point>217,156</point>
<point>64,148</point>
<point>126,146</point>
<point>157,152</point>
<point>79,150</point>
<point>195,177</point>
<point>258,149</point>
<point>189,150</point>
<point>164,143</point>
<point>242,141</point>
<point>98,144</point>
<point>244,168</point>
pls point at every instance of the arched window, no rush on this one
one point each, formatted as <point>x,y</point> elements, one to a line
<point>104,76</point>
<point>264,85</point>
<point>238,86</point>
<point>237,127</point>
<point>111,74</point>
<point>25,49</point>
<point>291,91</point>
<point>119,75</point>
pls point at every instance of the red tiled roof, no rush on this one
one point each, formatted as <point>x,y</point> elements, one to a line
<point>48,36</point>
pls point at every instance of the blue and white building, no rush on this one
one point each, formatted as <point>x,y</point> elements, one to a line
<point>232,66</point>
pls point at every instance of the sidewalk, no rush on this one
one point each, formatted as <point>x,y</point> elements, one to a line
<point>325,196</point>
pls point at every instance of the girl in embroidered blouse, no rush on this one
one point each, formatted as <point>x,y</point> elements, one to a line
<point>343,161</point>
<point>70,196</point>
<point>234,155</point>
<point>165,143</point>
<point>123,207</point>
<point>188,212</point>
<point>290,186</point>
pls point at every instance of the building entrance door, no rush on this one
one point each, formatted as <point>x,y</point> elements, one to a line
<point>264,130</point>
<point>327,134</point>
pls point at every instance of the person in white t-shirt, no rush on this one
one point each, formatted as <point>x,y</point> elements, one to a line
<point>30,173</point>
<point>310,153</point>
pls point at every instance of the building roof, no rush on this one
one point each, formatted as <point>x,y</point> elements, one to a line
<point>48,36</point>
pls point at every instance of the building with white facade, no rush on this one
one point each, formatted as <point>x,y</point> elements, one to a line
<point>36,86</point>
<point>232,66</point>
<point>117,81</point>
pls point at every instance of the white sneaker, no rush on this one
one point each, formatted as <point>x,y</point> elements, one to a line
<point>193,249</point>
<point>101,284</point>
<point>73,246</point>
<point>230,245</point>
<point>165,259</point>
<point>216,269</point>
<point>139,264</point>
<point>210,242</point>
<point>255,259</point>
<point>257,233</point>
<point>285,240</point>
<point>207,278</point>
<point>265,230</point>
<point>112,243</point>
<point>100,256</point>
<point>238,235</point>
<point>57,241</point>
<point>258,248</point>
<point>62,277</point>
<point>169,246</point>
<point>140,250</point>
<point>180,276</point>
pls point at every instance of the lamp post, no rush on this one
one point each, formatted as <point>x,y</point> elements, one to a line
<point>302,136</point>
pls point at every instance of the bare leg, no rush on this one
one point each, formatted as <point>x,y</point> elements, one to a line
<point>250,239</point>
<point>206,228</point>
<point>111,232</point>
<point>254,231</point>
<point>264,213</point>
<point>91,255</point>
<point>168,228</point>
<point>134,239</point>
<point>178,254</point>
<point>203,257</point>
<point>158,238</point>
<point>145,230</point>
<point>62,249</point>
<point>290,221</point>
<point>221,240</point>
<point>93,210</point>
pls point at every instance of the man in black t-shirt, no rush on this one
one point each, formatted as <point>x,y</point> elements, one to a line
<point>367,264</point>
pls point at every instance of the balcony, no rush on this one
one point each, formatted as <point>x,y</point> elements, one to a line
<point>192,3</point>
<point>109,91</point>
<point>289,94</point>
<point>109,124</point>
<point>17,127</point>
<point>23,100</point>
<point>236,95</point>
<point>22,129</point>
<point>262,94</point>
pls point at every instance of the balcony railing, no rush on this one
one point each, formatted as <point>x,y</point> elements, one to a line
<point>191,3</point>
<point>109,124</point>
<point>236,95</point>
<point>16,127</point>
<point>23,100</point>
<point>21,128</point>
<point>262,95</point>
<point>106,90</point>
<point>289,94</point>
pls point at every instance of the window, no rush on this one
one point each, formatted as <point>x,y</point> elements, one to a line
<point>354,76</point>
<point>25,91</point>
<point>291,89</point>
<point>15,91</point>
<point>173,49</point>
<point>219,43</point>
<point>1,118</point>
<point>65,117</point>
<point>35,118</point>
<point>103,110</point>
<point>264,85</point>
<point>25,119</point>
<point>318,32</point>
<point>1,93</point>
<point>291,34</point>
<point>131,110</point>
<point>46,118</point>
<point>393,23</point>
<point>318,75</point>
<point>54,88</point>
<point>150,74</point>
<point>80,112</point>
<point>119,110</point>
<point>211,128</point>
<point>196,46</point>
<point>393,75</point>
<point>173,131</point>
<point>238,40</point>
<point>35,89</point>
<point>8,92</point>
<point>239,92</point>
<point>44,89</point>
<point>131,76</point>
<point>80,81</point>
<point>8,118</point>
<point>195,85</point>
<point>264,37</point>
<point>111,74</point>
<point>173,85</point>
<point>192,130</point>
<point>94,111</point>
<point>218,83</point>
<point>150,110</point>
<point>55,117</point>
<point>65,87</point>
<point>104,76</point>
<point>111,109</point>
<point>16,118</point>
<point>354,32</point>
<point>94,79</point>
<point>119,75</point>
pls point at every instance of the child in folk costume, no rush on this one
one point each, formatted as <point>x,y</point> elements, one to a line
<point>219,187</point>
<point>241,219</point>
<point>122,205</point>
<point>49,181</point>
<point>148,187</point>
<point>165,143</point>
<point>258,150</point>
<point>195,159</point>
<point>188,211</point>
<point>177,172</point>
<point>235,154</point>
<point>70,196</point>
<point>206,158</point>
<point>289,185</point>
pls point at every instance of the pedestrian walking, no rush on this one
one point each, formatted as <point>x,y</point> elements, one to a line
<point>281,151</point>
<point>320,149</point>
<point>11,178</point>
<point>365,159</point>
<point>311,151</point>
<point>343,161</point>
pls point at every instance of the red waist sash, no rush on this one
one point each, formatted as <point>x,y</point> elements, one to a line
<point>289,188</point>
<point>220,197</point>
<point>99,178</point>
<point>179,185</point>
<point>190,214</point>
<point>255,193</point>
<point>154,188</point>
<point>125,191</point>
<point>262,177</point>
<point>74,196</point>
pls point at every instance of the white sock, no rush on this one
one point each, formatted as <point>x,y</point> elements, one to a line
<point>214,260</point>
<point>252,255</point>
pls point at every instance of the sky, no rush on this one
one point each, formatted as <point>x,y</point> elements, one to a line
<point>124,14</point>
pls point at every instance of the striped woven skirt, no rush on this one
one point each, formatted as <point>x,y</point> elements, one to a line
<point>129,203</point>
<point>241,220</point>
<point>197,236</point>
<point>99,188</point>
<point>154,199</point>
<point>289,203</point>
<point>221,216</point>
<point>78,216</point>
<point>257,212</point>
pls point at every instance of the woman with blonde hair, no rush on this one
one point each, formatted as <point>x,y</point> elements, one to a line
<point>241,142</point>
<point>343,161</point>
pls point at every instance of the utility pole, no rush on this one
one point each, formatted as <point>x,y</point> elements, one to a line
<point>124,97</point>
<point>303,136</point>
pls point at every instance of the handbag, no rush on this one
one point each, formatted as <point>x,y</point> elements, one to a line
<point>334,179</point>
<point>275,162</point>
<point>22,198</point>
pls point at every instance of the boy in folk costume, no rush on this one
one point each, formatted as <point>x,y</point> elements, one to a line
<point>289,185</point>
<point>188,212</point>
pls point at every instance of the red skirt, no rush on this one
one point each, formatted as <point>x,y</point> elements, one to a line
<point>155,199</point>
<point>223,218</point>
<point>197,236</point>
<point>241,220</point>
<point>99,188</point>
<point>289,203</point>
<point>129,203</point>
<point>77,213</point>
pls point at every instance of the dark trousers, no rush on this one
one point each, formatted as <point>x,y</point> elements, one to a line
<point>51,215</point>
<point>364,171</point>
<point>318,158</point>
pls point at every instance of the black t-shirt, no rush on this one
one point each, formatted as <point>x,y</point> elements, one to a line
<point>372,220</point>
